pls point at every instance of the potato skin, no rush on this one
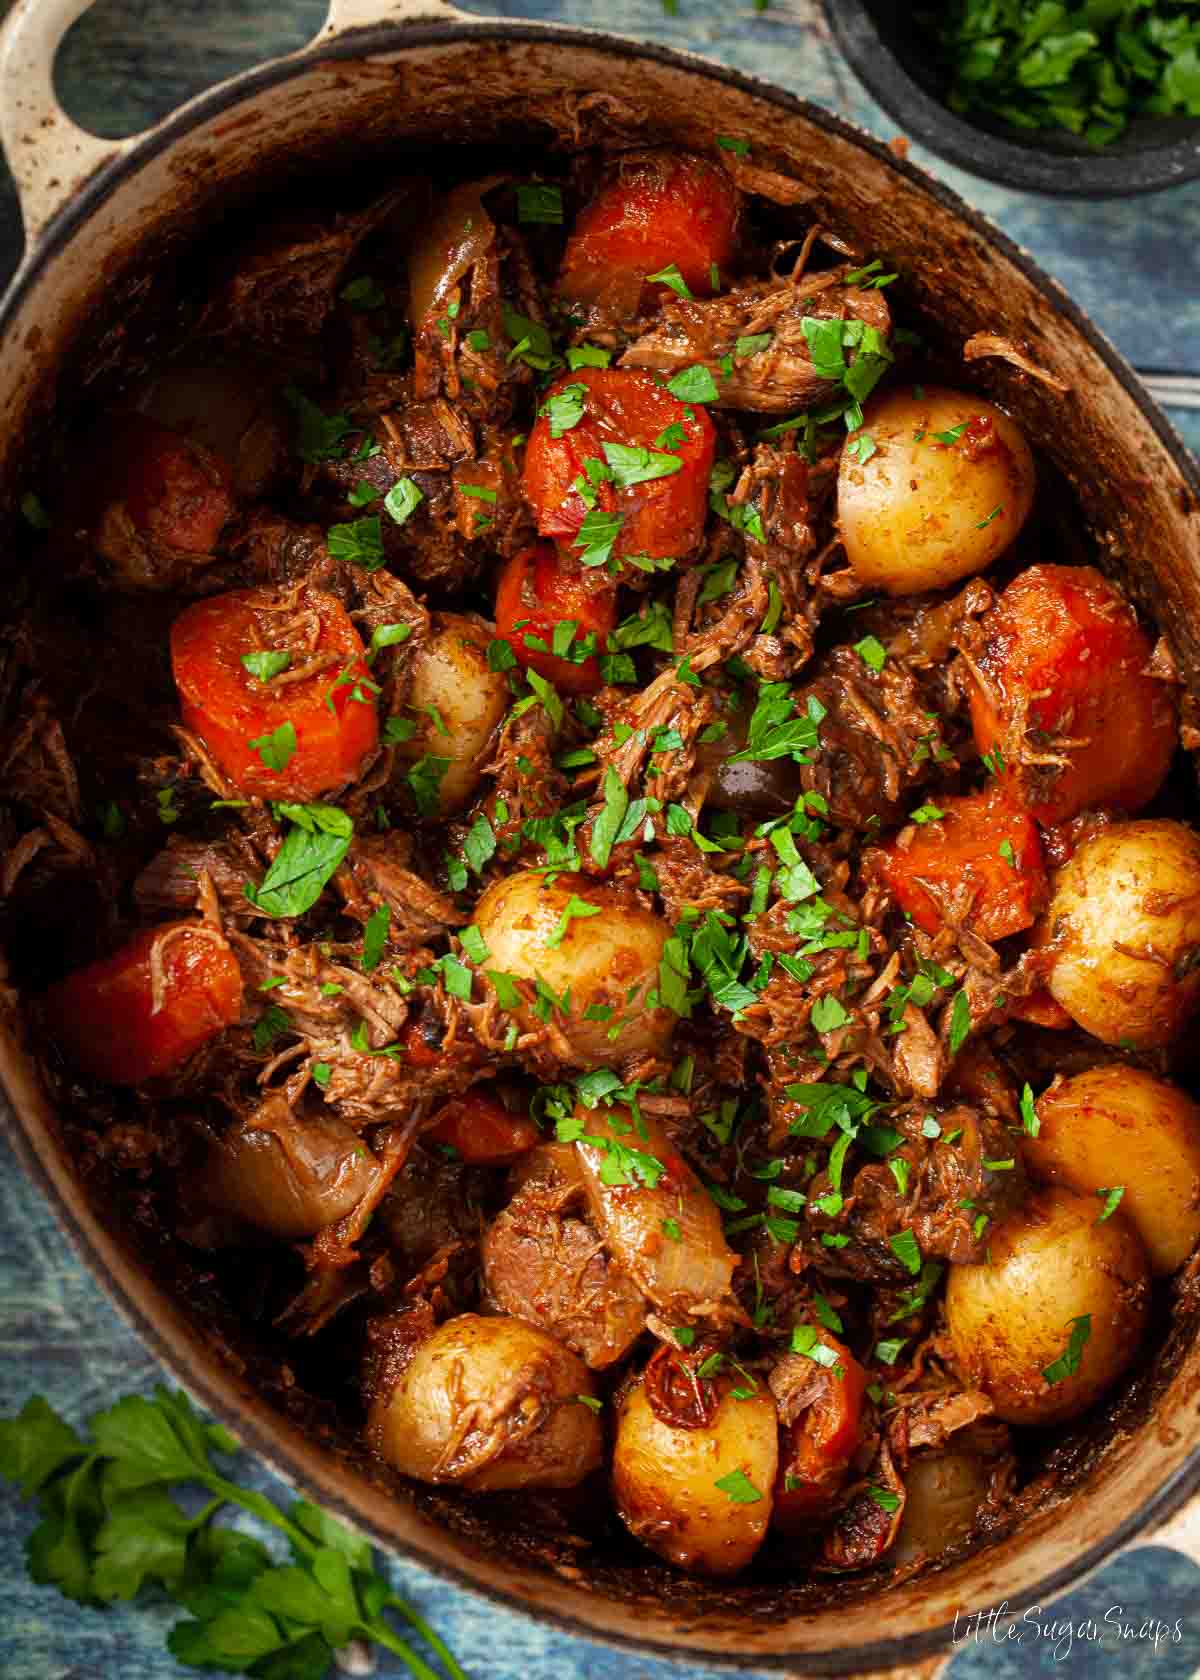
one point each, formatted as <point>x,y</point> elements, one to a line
<point>1050,1262</point>
<point>921,514</point>
<point>945,1491</point>
<point>599,957</point>
<point>489,1404</point>
<point>1118,1125</point>
<point>451,672</point>
<point>1124,924</point>
<point>664,1480</point>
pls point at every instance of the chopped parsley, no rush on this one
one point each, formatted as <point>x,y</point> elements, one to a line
<point>277,748</point>
<point>670,276</point>
<point>1068,1361</point>
<point>738,1487</point>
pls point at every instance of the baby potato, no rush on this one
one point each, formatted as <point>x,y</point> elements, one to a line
<point>1124,925</point>
<point>457,703</point>
<point>489,1404</point>
<point>1116,1125</point>
<point>667,1480</point>
<point>578,935</point>
<point>922,512</point>
<point>945,1491</point>
<point>1056,1279</point>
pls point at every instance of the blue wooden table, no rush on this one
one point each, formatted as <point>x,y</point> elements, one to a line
<point>1131,263</point>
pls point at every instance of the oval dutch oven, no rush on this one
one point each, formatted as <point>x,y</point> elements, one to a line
<point>104,219</point>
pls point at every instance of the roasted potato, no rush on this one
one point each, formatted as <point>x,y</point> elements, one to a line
<point>1117,1126</point>
<point>946,490</point>
<point>606,954</point>
<point>945,1491</point>
<point>667,1480</point>
<point>457,702</point>
<point>489,1404</point>
<point>1124,927</point>
<point>1059,1291</point>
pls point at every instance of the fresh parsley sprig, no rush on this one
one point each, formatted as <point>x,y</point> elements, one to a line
<point>111,1528</point>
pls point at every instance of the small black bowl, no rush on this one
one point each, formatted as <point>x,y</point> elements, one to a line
<point>887,52</point>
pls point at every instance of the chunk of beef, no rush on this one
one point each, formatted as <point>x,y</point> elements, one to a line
<point>546,1265</point>
<point>780,376</point>
<point>877,739</point>
<point>953,1192</point>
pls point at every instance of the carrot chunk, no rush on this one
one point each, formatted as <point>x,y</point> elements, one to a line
<point>982,857</point>
<point>1061,692</point>
<point>142,1011</point>
<point>277,688</point>
<point>815,1451</point>
<point>627,472</point>
<point>479,1128</point>
<point>538,592</point>
<point>662,210</point>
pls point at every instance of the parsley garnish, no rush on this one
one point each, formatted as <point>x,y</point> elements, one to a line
<point>314,846</point>
<point>739,1488</point>
<point>670,276</point>
<point>424,780</point>
<point>263,666</point>
<point>1112,1200</point>
<point>694,385</point>
<point>872,652</point>
<point>597,534</point>
<point>1068,1361</point>
<point>359,540</point>
<point>277,748</point>
<point>564,410</point>
<point>111,1529</point>
<point>776,731</point>
<point>636,465</point>
<point>538,201</point>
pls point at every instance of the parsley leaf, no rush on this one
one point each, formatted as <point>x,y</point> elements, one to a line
<point>632,465</point>
<point>694,385</point>
<point>738,1487</point>
<point>111,1527</point>
<point>402,499</point>
<point>375,936</point>
<point>575,909</point>
<point>313,848</point>
<point>670,276</point>
<point>776,731</point>
<point>267,664</point>
<point>539,201</point>
<point>597,534</point>
<point>277,748</point>
<point>359,540</point>
<point>564,409</point>
<point>1068,1361</point>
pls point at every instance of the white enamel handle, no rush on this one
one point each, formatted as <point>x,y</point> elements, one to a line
<point>345,15</point>
<point>49,155</point>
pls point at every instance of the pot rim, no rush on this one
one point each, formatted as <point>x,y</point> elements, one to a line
<point>391,39</point>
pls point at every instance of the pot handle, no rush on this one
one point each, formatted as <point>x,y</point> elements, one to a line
<point>48,154</point>
<point>345,15</point>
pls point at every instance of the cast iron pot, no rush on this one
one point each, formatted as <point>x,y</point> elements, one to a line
<point>891,58</point>
<point>105,219</point>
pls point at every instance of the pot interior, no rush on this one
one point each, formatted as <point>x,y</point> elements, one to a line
<point>105,289</point>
